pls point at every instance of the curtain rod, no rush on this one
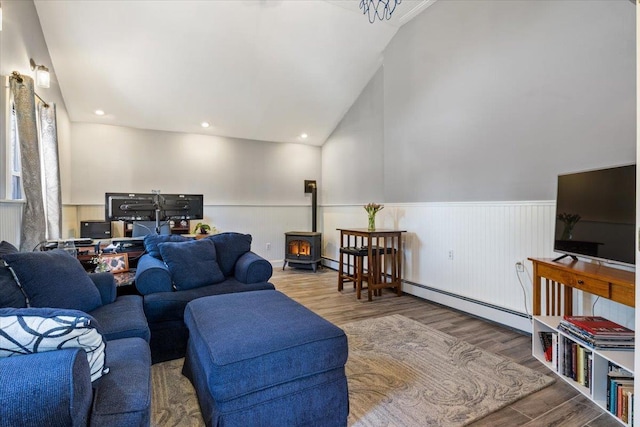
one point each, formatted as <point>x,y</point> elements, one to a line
<point>16,75</point>
<point>46,105</point>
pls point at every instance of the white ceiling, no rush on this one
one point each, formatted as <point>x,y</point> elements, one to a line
<point>262,69</point>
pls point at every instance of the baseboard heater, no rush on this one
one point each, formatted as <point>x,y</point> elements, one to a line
<point>475,301</point>
<point>451,295</point>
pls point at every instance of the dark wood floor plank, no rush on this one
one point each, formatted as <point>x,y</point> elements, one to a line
<point>578,411</point>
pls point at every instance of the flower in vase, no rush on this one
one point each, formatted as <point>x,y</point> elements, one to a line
<point>372,209</point>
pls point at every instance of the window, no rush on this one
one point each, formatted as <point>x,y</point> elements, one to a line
<point>15,167</point>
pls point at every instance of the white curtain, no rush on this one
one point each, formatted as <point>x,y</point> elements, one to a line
<point>33,217</point>
<point>42,213</point>
<point>51,166</point>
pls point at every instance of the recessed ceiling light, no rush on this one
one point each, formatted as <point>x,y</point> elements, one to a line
<point>205,124</point>
<point>304,136</point>
<point>99,113</point>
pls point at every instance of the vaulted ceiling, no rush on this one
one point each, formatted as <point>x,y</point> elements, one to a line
<point>263,69</point>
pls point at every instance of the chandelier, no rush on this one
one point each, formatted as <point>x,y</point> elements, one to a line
<point>381,9</point>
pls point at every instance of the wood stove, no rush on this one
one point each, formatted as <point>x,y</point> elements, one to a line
<point>303,249</point>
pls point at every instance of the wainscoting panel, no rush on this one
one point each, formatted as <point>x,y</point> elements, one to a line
<point>464,254</point>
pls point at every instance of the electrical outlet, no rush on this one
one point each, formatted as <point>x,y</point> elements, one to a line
<point>519,266</point>
<point>268,246</point>
<point>451,254</point>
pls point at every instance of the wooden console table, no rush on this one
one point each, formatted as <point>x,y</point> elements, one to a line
<point>557,279</point>
<point>383,248</point>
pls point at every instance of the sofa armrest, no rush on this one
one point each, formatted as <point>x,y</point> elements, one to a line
<point>152,275</point>
<point>51,388</point>
<point>106,284</point>
<point>252,268</point>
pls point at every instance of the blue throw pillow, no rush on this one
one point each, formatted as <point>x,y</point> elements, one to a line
<point>230,247</point>
<point>36,330</point>
<point>7,248</point>
<point>151,242</point>
<point>192,264</point>
<point>10,293</point>
<point>54,279</point>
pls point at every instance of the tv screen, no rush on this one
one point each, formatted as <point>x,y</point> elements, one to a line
<point>142,206</point>
<point>182,206</point>
<point>129,207</point>
<point>596,214</point>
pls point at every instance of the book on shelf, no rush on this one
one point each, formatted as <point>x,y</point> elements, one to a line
<point>620,392</point>
<point>576,362</point>
<point>618,343</point>
<point>622,411</point>
<point>547,345</point>
<point>599,326</point>
<point>554,351</point>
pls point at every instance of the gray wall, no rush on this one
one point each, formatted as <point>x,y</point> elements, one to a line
<point>352,157</point>
<point>227,171</point>
<point>490,100</point>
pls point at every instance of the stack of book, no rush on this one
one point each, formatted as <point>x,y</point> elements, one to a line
<point>620,393</point>
<point>598,333</point>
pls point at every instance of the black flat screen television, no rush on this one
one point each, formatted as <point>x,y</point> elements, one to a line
<point>129,206</point>
<point>183,206</point>
<point>596,215</point>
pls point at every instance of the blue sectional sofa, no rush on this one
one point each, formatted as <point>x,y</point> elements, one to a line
<point>176,270</point>
<point>71,351</point>
<point>100,373</point>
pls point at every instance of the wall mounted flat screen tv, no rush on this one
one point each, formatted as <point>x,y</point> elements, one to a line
<point>596,214</point>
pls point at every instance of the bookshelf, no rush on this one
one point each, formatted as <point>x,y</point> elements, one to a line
<point>596,388</point>
<point>553,296</point>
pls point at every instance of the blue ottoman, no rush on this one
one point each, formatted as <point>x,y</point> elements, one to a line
<point>261,359</point>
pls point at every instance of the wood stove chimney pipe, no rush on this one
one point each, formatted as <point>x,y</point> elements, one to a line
<point>311,187</point>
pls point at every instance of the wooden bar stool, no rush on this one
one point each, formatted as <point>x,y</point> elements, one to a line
<point>354,256</point>
<point>377,274</point>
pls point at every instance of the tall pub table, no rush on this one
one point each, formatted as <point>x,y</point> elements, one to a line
<point>382,246</point>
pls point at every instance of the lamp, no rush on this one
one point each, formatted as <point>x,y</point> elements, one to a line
<point>381,9</point>
<point>42,74</point>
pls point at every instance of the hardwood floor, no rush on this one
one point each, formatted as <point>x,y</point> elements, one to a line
<point>556,405</point>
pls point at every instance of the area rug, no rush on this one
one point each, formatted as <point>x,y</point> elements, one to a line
<point>400,373</point>
<point>403,373</point>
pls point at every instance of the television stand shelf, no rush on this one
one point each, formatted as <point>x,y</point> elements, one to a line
<point>553,284</point>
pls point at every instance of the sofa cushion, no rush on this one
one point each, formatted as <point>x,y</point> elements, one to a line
<point>123,318</point>
<point>151,242</point>
<point>169,306</point>
<point>54,279</point>
<point>123,398</point>
<point>38,330</point>
<point>7,248</point>
<point>192,264</point>
<point>230,246</point>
